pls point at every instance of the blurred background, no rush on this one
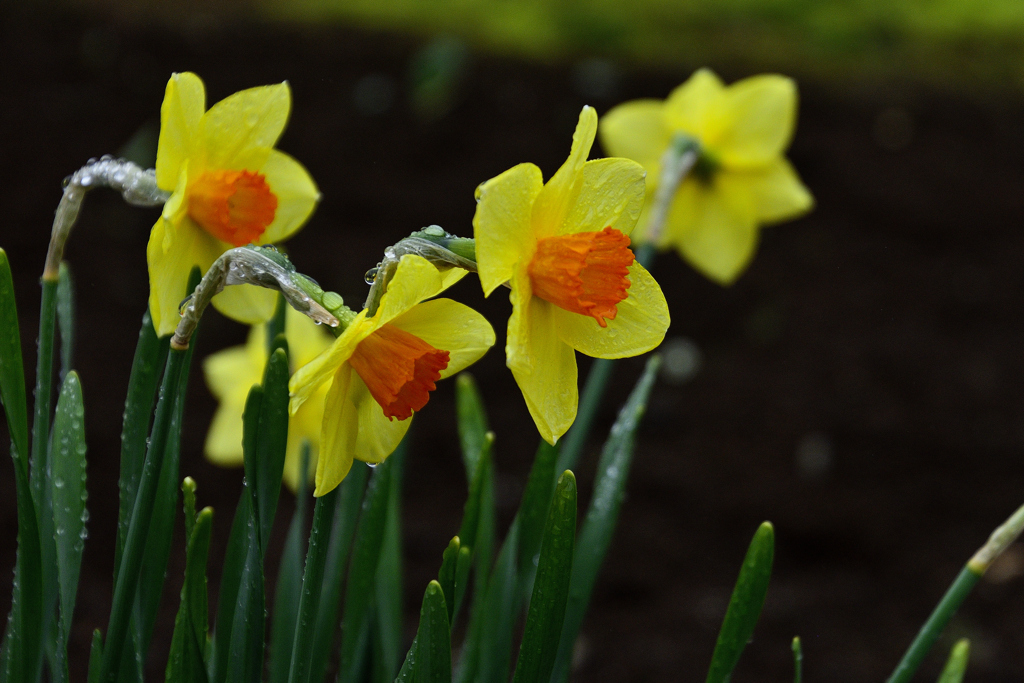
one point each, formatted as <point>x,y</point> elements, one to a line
<point>860,386</point>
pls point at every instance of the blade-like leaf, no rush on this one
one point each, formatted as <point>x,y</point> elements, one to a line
<point>95,656</point>
<point>745,605</point>
<point>387,645</point>
<point>603,513</point>
<point>446,575</point>
<point>23,640</point>
<point>798,660</point>
<point>272,440</point>
<point>289,583</point>
<point>312,583</point>
<point>12,372</point>
<point>66,317</point>
<point>359,593</point>
<point>956,665</point>
<point>472,419</point>
<point>476,534</point>
<point>69,496</point>
<point>533,510</point>
<point>433,657</point>
<point>550,587</point>
<point>231,577</point>
<point>498,613</point>
<point>185,662</point>
<point>245,654</point>
<point>343,529</point>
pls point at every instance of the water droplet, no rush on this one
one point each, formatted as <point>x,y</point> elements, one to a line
<point>58,482</point>
<point>370,276</point>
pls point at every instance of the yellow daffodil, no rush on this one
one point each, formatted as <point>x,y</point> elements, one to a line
<point>232,372</point>
<point>563,249</point>
<point>229,187</point>
<point>383,367</point>
<point>741,179</point>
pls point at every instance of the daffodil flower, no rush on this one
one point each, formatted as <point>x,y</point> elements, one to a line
<point>563,249</point>
<point>229,187</point>
<point>741,179</point>
<point>232,372</point>
<point>383,367</point>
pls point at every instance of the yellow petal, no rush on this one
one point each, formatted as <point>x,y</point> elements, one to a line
<point>501,224</point>
<point>310,376</point>
<point>451,276</point>
<point>638,327</point>
<point>224,440</point>
<point>544,366</point>
<point>232,371</point>
<point>777,192</point>
<point>715,231</point>
<point>180,115</point>
<point>636,130</point>
<point>296,194</point>
<point>187,246</point>
<point>247,304</point>
<point>762,114</point>
<point>696,107</point>
<point>558,194</point>
<point>611,195</point>
<point>415,280</point>
<point>453,327</point>
<point>378,436</point>
<point>304,426</point>
<point>338,435</point>
<point>240,130</point>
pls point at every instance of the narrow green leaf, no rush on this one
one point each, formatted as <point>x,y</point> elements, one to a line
<point>603,514</point>
<point>245,653</point>
<point>956,665</point>
<point>69,496</point>
<point>272,440</point>
<point>139,527</point>
<point>433,657</point>
<point>745,605</point>
<point>66,317</point>
<point>405,674</point>
<point>546,613</point>
<point>250,445</point>
<point>188,491</point>
<point>230,580</point>
<point>359,593</point>
<point>12,372</point>
<point>23,640</point>
<point>289,582</point>
<point>312,583</point>
<point>472,420</point>
<point>476,534</point>
<point>590,400</point>
<point>343,530</point>
<point>387,645</point>
<point>95,656</point>
<point>499,613</point>
<point>276,325</point>
<point>446,575</point>
<point>185,661</point>
<point>798,660</point>
<point>533,510</point>
<point>147,367</point>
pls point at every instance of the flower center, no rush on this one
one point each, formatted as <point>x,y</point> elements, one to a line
<point>233,206</point>
<point>585,272</point>
<point>399,369</point>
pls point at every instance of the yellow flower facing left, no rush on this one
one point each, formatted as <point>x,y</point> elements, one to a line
<point>383,367</point>
<point>229,187</point>
<point>741,179</point>
<point>232,372</point>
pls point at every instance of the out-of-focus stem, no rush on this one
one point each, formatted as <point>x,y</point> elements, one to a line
<point>677,161</point>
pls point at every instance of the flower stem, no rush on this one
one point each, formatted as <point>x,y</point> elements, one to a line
<point>676,162</point>
<point>969,576</point>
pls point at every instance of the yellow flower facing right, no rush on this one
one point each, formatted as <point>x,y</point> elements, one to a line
<point>741,179</point>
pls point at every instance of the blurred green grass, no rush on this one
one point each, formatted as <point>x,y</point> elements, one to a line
<point>952,44</point>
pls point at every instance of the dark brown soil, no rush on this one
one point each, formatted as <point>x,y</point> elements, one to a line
<point>880,337</point>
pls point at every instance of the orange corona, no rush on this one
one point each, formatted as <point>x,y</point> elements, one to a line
<point>584,272</point>
<point>234,206</point>
<point>399,369</point>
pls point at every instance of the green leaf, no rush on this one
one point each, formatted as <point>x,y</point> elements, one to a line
<point>289,582</point>
<point>12,372</point>
<point>798,660</point>
<point>472,420</point>
<point>95,656</point>
<point>446,575</point>
<point>590,400</point>
<point>276,326</point>
<point>476,534</point>
<point>956,665</point>
<point>312,582</point>
<point>533,510</point>
<point>69,496</point>
<point>433,656</point>
<point>231,577</point>
<point>272,441</point>
<point>387,645</point>
<point>603,513</point>
<point>494,618</point>
<point>185,661</point>
<point>745,605</point>
<point>342,531</point>
<point>405,674</point>
<point>245,653</point>
<point>550,587</point>
<point>147,367</point>
<point>359,592</point>
<point>66,317</point>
